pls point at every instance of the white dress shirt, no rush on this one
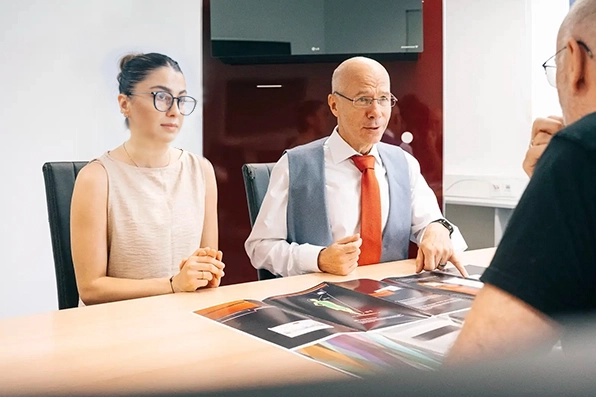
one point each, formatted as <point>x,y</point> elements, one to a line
<point>267,246</point>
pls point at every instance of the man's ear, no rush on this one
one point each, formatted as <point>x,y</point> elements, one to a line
<point>332,101</point>
<point>576,59</point>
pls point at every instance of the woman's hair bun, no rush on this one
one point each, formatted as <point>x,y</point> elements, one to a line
<point>127,58</point>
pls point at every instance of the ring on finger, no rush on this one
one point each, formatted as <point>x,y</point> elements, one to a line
<point>441,266</point>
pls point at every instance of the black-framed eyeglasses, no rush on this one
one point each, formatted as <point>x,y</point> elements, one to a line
<point>366,101</point>
<point>163,101</point>
<point>551,69</point>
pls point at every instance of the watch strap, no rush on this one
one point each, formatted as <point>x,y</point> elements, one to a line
<point>446,224</point>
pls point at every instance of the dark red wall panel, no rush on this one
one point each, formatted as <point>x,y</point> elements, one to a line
<point>243,124</point>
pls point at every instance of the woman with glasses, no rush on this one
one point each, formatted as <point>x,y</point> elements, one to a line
<point>144,215</point>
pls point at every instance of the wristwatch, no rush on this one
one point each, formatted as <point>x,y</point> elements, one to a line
<point>445,223</point>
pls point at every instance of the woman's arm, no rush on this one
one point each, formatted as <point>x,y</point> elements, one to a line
<point>210,229</point>
<point>88,230</point>
<point>210,238</point>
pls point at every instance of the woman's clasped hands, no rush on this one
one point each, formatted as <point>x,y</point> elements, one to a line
<point>203,268</point>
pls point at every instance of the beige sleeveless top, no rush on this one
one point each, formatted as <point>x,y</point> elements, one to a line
<point>155,216</point>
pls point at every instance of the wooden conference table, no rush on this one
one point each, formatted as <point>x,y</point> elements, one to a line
<point>158,344</point>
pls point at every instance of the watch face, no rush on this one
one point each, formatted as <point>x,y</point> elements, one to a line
<point>447,225</point>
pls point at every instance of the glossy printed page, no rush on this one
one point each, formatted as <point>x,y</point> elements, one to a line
<point>439,282</point>
<point>426,301</point>
<point>369,354</point>
<point>332,303</point>
<point>271,323</point>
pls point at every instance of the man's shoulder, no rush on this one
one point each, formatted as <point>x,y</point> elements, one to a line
<point>394,156</point>
<point>390,151</point>
<point>305,158</point>
<point>582,133</point>
<point>389,147</point>
<point>307,147</point>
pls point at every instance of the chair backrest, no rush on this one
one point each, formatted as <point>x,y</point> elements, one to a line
<point>59,178</point>
<point>256,181</point>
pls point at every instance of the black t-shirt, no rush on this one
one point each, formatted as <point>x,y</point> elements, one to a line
<point>547,256</point>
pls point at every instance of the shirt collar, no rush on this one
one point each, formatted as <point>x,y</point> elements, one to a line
<point>340,150</point>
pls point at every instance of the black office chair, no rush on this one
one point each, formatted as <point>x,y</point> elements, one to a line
<point>59,178</point>
<point>256,181</point>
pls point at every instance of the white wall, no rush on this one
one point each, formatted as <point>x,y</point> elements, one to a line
<point>487,89</point>
<point>58,76</point>
<point>546,19</point>
<point>494,87</point>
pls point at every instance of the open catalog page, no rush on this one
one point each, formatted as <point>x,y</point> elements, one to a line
<point>361,327</point>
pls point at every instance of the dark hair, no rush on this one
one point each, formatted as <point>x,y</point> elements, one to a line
<point>134,68</point>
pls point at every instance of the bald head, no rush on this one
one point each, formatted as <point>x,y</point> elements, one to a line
<point>354,67</point>
<point>357,87</point>
<point>576,66</point>
<point>580,23</point>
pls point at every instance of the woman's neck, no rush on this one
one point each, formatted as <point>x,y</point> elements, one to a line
<point>147,155</point>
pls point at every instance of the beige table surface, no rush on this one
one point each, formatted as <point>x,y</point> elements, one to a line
<point>158,344</point>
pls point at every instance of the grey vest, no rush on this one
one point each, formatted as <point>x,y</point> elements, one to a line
<point>307,218</point>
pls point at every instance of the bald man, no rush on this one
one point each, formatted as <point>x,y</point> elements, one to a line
<point>544,270</point>
<point>316,217</point>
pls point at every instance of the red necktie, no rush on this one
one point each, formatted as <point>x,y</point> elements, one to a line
<point>370,212</point>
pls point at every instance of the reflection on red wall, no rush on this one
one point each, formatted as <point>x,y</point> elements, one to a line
<point>245,124</point>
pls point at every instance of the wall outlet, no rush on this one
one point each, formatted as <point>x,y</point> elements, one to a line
<point>502,189</point>
<point>507,189</point>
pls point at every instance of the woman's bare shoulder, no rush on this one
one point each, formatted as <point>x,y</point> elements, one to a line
<point>93,176</point>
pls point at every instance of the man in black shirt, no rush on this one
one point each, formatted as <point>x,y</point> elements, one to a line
<point>544,269</point>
